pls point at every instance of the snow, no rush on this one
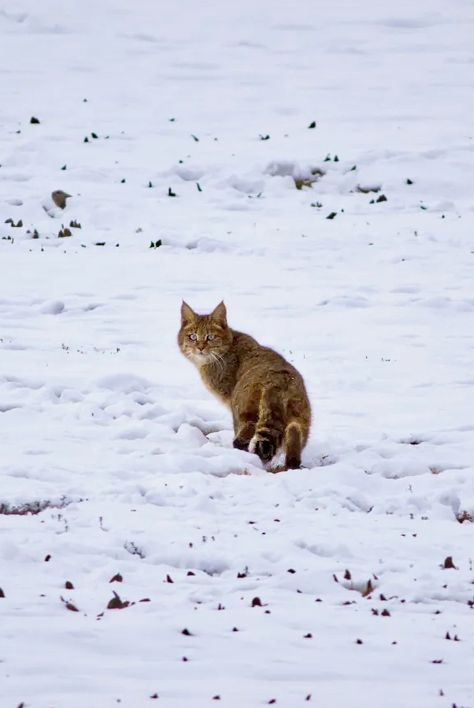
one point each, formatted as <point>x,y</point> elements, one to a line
<point>116,460</point>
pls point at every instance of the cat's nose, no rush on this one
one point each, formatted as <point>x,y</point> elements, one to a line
<point>201,346</point>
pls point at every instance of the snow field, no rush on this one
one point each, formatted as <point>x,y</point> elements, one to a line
<point>349,582</point>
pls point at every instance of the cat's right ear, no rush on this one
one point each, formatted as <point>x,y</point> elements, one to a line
<point>219,314</point>
<point>187,313</point>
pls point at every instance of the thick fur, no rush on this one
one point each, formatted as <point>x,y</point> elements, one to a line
<point>266,394</point>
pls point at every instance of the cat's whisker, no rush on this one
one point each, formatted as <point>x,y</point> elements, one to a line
<point>217,359</point>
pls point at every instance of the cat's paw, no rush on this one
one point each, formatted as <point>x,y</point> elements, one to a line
<point>240,444</point>
<point>293,463</point>
<point>263,447</point>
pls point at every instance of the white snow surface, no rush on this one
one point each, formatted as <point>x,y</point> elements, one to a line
<point>116,460</point>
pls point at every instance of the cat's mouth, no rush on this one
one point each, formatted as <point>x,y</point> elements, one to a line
<point>199,357</point>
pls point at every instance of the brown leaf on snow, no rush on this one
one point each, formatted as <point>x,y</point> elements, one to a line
<point>117,578</point>
<point>256,602</point>
<point>449,563</point>
<point>368,589</point>
<point>116,603</point>
<point>59,198</point>
<point>68,585</point>
<point>69,605</point>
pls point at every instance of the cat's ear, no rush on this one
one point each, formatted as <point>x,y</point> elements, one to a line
<point>187,313</point>
<point>219,314</point>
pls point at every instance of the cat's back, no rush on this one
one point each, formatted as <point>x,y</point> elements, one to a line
<point>265,377</point>
<point>261,362</point>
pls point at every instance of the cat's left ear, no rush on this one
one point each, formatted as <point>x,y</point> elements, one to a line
<point>187,313</point>
<point>219,314</point>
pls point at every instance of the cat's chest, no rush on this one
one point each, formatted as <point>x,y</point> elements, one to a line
<point>219,380</point>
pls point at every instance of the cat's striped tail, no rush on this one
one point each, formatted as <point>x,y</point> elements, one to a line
<point>293,445</point>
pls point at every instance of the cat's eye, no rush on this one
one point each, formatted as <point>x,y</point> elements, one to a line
<point>210,337</point>
<point>192,337</point>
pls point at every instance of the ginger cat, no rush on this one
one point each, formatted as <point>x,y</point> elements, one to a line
<point>266,395</point>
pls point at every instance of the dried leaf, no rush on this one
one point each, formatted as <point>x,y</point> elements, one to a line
<point>59,198</point>
<point>117,578</point>
<point>116,603</point>
<point>368,589</point>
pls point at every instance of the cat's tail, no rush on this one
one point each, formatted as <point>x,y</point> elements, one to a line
<point>294,441</point>
<point>270,427</point>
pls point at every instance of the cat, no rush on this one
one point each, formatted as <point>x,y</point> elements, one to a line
<point>266,394</point>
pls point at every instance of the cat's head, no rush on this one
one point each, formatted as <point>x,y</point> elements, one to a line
<point>204,338</point>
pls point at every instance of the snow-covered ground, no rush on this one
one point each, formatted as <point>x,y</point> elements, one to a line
<point>114,458</point>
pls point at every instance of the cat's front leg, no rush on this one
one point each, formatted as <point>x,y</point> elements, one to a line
<point>243,435</point>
